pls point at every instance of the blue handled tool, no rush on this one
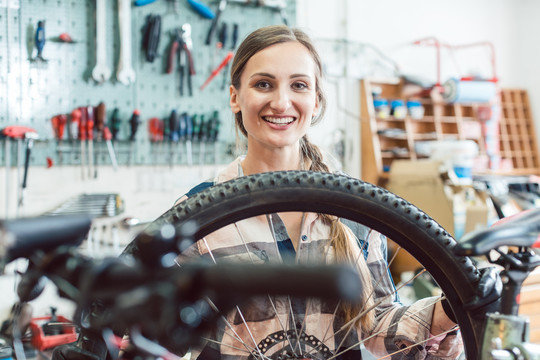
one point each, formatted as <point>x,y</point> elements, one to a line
<point>143,2</point>
<point>202,9</point>
<point>39,40</point>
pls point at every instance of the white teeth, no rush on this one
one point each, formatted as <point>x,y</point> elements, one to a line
<point>279,120</point>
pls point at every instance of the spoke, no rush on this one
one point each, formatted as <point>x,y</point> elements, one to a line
<point>389,326</point>
<point>290,312</point>
<point>239,312</point>
<point>269,297</point>
<point>418,343</point>
<point>352,321</point>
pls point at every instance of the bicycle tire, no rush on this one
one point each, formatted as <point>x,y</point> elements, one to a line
<point>349,198</point>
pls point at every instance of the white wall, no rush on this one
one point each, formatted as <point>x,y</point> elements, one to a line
<point>392,25</point>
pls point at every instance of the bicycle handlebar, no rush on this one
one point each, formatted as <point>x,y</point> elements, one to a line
<point>22,237</point>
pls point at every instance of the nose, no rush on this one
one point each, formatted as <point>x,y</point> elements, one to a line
<point>281,99</point>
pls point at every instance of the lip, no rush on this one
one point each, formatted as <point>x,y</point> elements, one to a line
<point>279,120</point>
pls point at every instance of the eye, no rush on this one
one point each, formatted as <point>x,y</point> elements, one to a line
<point>262,84</point>
<point>299,85</point>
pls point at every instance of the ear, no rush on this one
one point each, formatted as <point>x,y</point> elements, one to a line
<point>316,108</point>
<point>233,99</point>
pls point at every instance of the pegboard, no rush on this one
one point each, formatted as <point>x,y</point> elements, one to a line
<point>31,93</point>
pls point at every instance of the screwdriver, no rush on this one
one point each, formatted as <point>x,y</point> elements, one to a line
<point>174,128</point>
<point>214,131</point>
<point>216,71</point>
<point>202,139</point>
<point>59,123</point>
<point>186,134</point>
<point>81,114</point>
<point>233,47</point>
<point>134,125</point>
<point>39,40</point>
<point>100,112</point>
<point>115,124</point>
<point>155,128</point>
<point>182,130</point>
<point>107,136</point>
<point>90,136</point>
<point>201,9</point>
<point>73,130</point>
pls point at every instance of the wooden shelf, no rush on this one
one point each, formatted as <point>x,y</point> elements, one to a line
<point>387,139</point>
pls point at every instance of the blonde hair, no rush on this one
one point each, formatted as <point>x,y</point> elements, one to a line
<point>259,40</point>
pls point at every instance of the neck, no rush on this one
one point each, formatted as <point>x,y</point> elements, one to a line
<point>271,160</point>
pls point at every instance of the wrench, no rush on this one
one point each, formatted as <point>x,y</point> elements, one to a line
<point>125,73</point>
<point>101,71</point>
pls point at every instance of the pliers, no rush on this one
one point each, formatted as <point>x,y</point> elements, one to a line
<point>186,58</point>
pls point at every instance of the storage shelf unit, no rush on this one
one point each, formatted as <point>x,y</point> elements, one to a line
<point>387,139</point>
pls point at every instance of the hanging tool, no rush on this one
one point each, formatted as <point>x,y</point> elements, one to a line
<point>90,119</point>
<point>59,123</point>
<point>216,71</point>
<point>213,132</point>
<point>151,36</point>
<point>220,44</point>
<point>79,117</point>
<point>143,2</point>
<point>155,129</point>
<point>134,125</point>
<point>73,134</point>
<point>215,20</point>
<point>29,137</point>
<point>114,124</point>
<point>100,114</point>
<point>101,71</point>
<point>186,55</point>
<point>186,134</point>
<point>174,128</point>
<point>107,136</point>
<point>201,9</point>
<point>39,41</point>
<point>125,73</point>
<point>234,40</point>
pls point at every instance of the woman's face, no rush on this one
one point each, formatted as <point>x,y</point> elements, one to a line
<point>277,95</point>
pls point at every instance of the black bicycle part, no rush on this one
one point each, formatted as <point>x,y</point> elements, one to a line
<point>349,198</point>
<point>23,237</point>
<point>521,231</point>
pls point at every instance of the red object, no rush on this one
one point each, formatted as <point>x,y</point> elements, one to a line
<point>65,37</point>
<point>432,41</point>
<point>107,133</point>
<point>50,163</point>
<point>59,123</point>
<point>41,341</point>
<point>216,71</point>
<point>155,128</point>
<point>90,122</point>
<point>16,131</point>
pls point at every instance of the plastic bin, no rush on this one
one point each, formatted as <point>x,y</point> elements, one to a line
<point>41,341</point>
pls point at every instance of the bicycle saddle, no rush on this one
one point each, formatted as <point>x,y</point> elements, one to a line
<point>522,230</point>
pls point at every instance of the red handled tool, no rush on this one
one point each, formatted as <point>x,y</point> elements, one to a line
<point>216,71</point>
<point>59,123</point>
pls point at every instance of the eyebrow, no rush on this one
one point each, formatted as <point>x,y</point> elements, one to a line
<point>273,77</point>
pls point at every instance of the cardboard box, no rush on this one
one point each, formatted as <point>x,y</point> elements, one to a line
<point>424,183</point>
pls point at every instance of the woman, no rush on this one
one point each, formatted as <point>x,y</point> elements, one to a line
<point>276,96</point>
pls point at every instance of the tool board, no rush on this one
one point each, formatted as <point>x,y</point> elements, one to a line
<point>32,92</point>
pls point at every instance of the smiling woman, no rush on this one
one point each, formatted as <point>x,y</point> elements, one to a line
<point>276,96</point>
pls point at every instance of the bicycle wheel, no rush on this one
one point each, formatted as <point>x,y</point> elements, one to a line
<point>345,197</point>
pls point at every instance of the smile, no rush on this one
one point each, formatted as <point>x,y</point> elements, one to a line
<point>279,120</point>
